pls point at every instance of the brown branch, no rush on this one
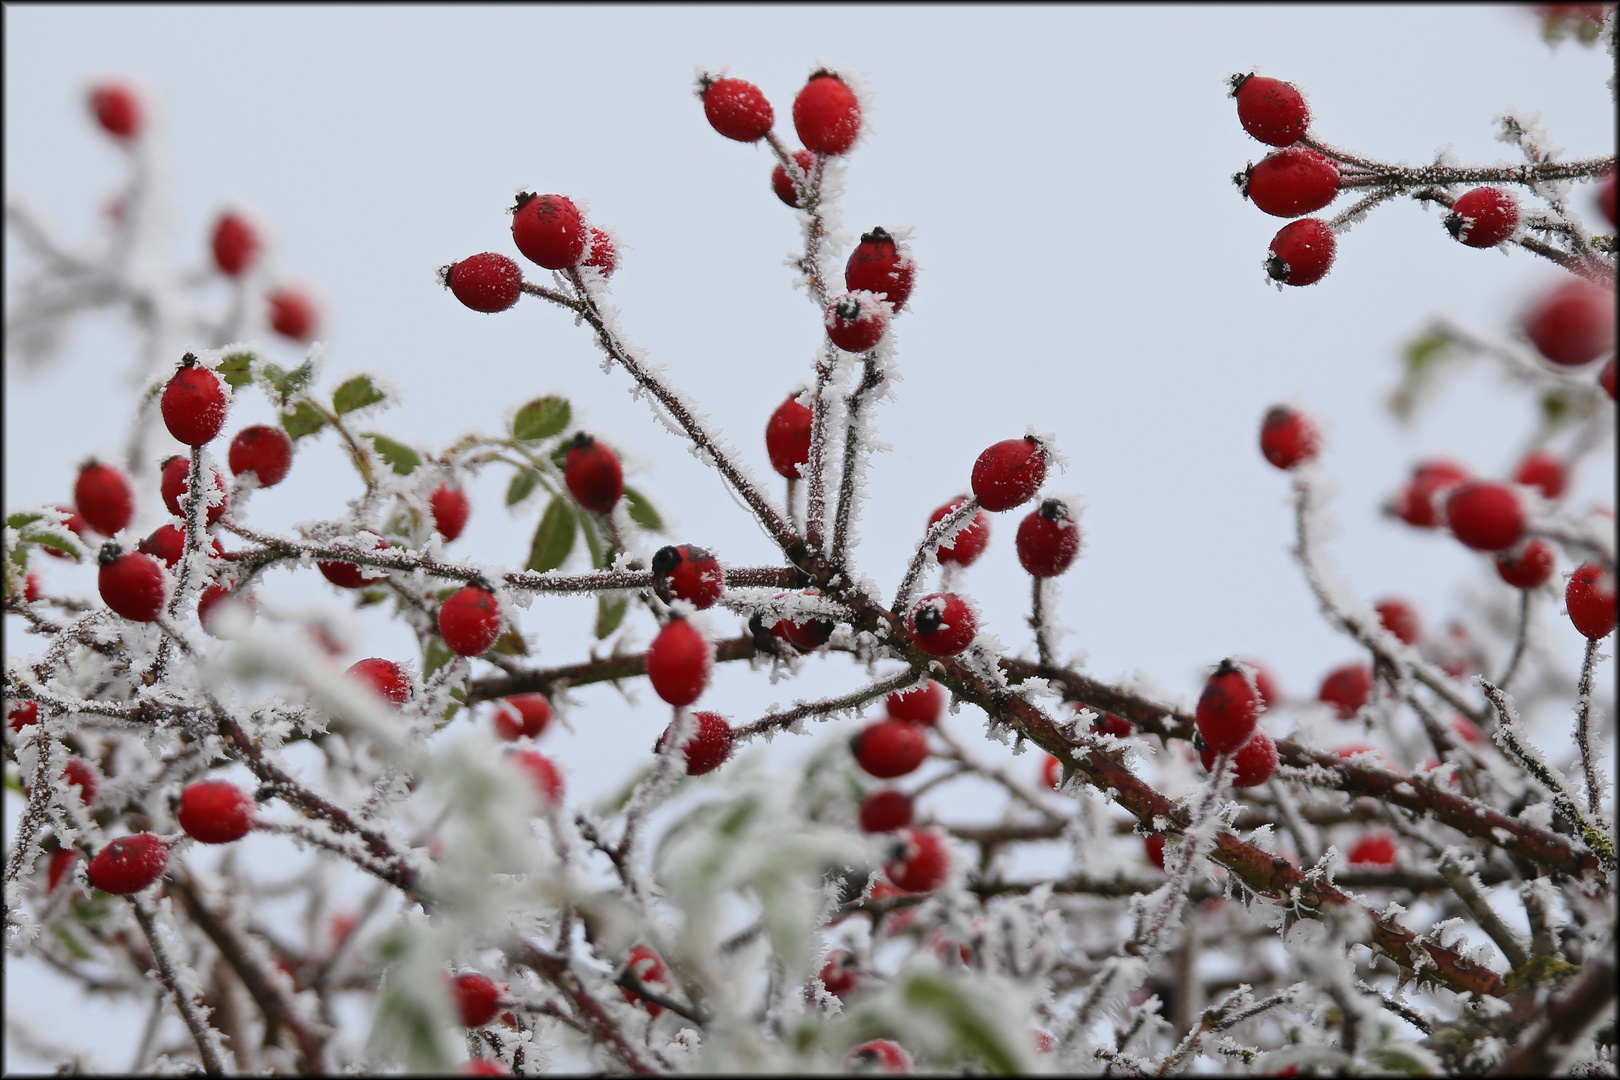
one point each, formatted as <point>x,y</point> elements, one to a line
<point>1563,1020</point>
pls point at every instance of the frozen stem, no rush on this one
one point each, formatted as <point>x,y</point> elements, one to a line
<point>206,1037</point>
<point>1467,888</point>
<point>943,529</point>
<point>1583,734</point>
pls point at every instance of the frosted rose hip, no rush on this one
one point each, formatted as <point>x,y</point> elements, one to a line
<point>1302,252</point>
<point>970,542</point>
<point>488,282</point>
<point>1291,182</point>
<point>1009,473</point>
<point>826,114</point>
<point>1485,516</point>
<point>1483,217</point>
<point>1271,110</point>
<point>737,109</point>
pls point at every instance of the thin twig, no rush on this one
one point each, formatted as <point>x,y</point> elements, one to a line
<point>1466,886</point>
<point>1583,735</point>
<point>204,1035</point>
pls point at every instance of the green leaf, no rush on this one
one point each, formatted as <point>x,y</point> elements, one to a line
<point>523,482</point>
<point>641,511</point>
<point>303,420</point>
<point>541,419</point>
<point>57,537</point>
<point>372,596</point>
<point>601,553</point>
<point>610,613</point>
<point>70,941</point>
<point>288,383</point>
<point>1422,360</point>
<point>559,455</point>
<point>511,643</point>
<point>435,656</point>
<point>355,393</point>
<point>23,517</point>
<point>975,1031</point>
<point>237,369</point>
<point>401,457</point>
<point>553,537</point>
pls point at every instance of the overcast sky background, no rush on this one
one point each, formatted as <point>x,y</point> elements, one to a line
<point>1086,267</point>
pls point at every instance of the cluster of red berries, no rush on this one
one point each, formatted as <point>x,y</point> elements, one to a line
<point>1228,720</point>
<point>549,231</point>
<point>897,744</point>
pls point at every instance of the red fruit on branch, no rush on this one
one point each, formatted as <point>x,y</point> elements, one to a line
<point>1347,689</point>
<point>193,404</point>
<point>1485,516</point>
<point>1271,110</point>
<point>920,861</point>
<point>129,864</point>
<point>648,968</point>
<point>1009,473</point>
<point>1264,682</point>
<point>74,524</point>
<point>292,313</point>
<point>942,624</point>
<point>262,450</point>
<point>104,498</point>
<point>235,244</point>
<point>60,866</point>
<point>737,109</point>
<point>384,678</point>
<point>1572,323</point>
<point>175,487</point>
<point>1109,724</point>
<point>1419,502</point>
<point>1252,763</point>
<point>1291,182</point>
<point>1528,567</point>
<point>132,583</point>
<point>1606,378</point>
<point>688,572</point>
<point>213,596</point>
<point>1302,252</point>
<point>787,437</point>
<point>1288,438</point>
<point>782,183</point>
<point>1590,600</point>
<point>1545,471</point>
<point>215,811</point>
<point>1483,217</point>
<point>22,714</point>
<point>970,542</point>
<point>806,635</point>
<point>348,575</point>
<point>484,1067</point>
<point>1229,708</point>
<point>486,282</point>
<point>878,1056</point>
<point>889,748</point>
<point>601,252</point>
<point>678,662</point>
<point>470,621</point>
<point>856,322</point>
<point>1399,618</point>
<point>826,114</point>
<point>522,716</point>
<point>1052,772</point>
<point>840,975</point>
<point>1048,540</point>
<point>117,109</point>
<point>593,474</point>
<point>924,704</point>
<point>1377,849</point>
<point>451,509</point>
<point>885,811</point>
<point>84,776</point>
<point>542,773</point>
<point>548,230</point>
<point>880,265</point>
<point>707,747</point>
<point>1153,848</point>
<point>477,998</point>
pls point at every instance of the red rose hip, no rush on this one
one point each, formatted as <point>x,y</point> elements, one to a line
<point>678,662</point>
<point>132,583</point>
<point>651,973</point>
<point>826,114</point>
<point>1048,540</point>
<point>292,313</point>
<point>841,975</point>
<point>1291,182</point>
<point>450,510</point>
<point>885,811</point>
<point>1529,567</point>
<point>856,322</point>
<point>1573,323</point>
<point>1271,110</point>
<point>1544,471</point>
<point>215,811</point>
<point>84,776</point>
<point>542,773</point>
<point>880,265</point>
<point>384,678</point>
<point>921,861</point>
<point>1229,708</point>
<point>787,437</point>
<point>924,704</point>
<point>970,542</point>
<point>1009,473</point>
<point>1377,849</point>
<point>193,404</point>
<point>736,109</point>
<point>175,485</point>
<point>1483,217</point>
<point>942,624</point>
<point>1485,516</point>
<point>262,450</point>
<point>889,748</point>
<point>487,282</point>
<point>548,230</point>
<point>1418,503</point>
<point>878,1056</point>
<point>129,864</point>
<point>1252,764</point>
<point>688,572</point>
<point>593,474</point>
<point>1288,438</point>
<point>1347,689</point>
<point>522,716</point>
<point>470,621</point>
<point>235,244</point>
<point>1590,599</point>
<point>1302,252</point>
<point>477,998</point>
<point>782,183</point>
<point>707,747</point>
<point>1401,619</point>
<point>117,110</point>
<point>601,252</point>
<point>103,497</point>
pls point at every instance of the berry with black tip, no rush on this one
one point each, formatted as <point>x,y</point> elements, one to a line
<point>880,1056</point>
<point>1347,689</point>
<point>1288,438</point>
<point>650,970</point>
<point>1291,182</point>
<point>737,109</point>
<point>1048,539</point>
<point>593,474</point>
<point>522,716</point>
<point>384,678</point>
<point>117,110</point>
<point>782,183</point>
<point>787,437</point>
<point>826,114</point>
<point>688,572</point>
<point>451,509</point>
<point>1252,763</point>
<point>678,662</point>
<point>193,403</point>
<point>885,811</point>
<point>1573,323</point>
<point>889,748</point>
<point>470,621</point>
<point>1483,217</point>
<point>1009,473</point>
<point>925,704</point>
<point>1229,708</point>
<point>488,282</point>
<point>920,862</point>
<point>880,264</point>
<point>549,230</point>
<point>477,998</point>
<point>1302,252</point>
<point>1401,619</point>
<point>175,487</point>
<point>841,974</point>
<point>1529,567</point>
<point>707,747</point>
<point>215,811</point>
<point>262,450</point>
<point>1546,472</point>
<point>970,542</point>
<point>856,321</point>
<point>292,313</point>
<point>1590,599</point>
<point>129,864</point>
<point>235,244</point>
<point>942,624</point>
<point>132,583</point>
<point>1271,110</point>
<point>1485,516</point>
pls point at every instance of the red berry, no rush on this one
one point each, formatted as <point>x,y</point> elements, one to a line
<point>450,509</point>
<point>486,282</point>
<point>1572,323</point>
<point>1302,252</point>
<point>1109,724</point>
<point>470,621</point>
<point>856,322</point>
<point>708,747</point>
<point>84,776</point>
<point>925,704</point>
<point>1604,197</point>
<point>1545,471</point>
<point>826,114</point>
<point>1378,849</point>
<point>878,1056</point>
<point>348,575</point>
<point>384,678</point>
<point>1048,540</point>
<point>841,975</point>
<point>1483,217</point>
<point>787,437</point>
<point>688,572</point>
<point>1052,772</point>
<point>216,594</point>
<point>886,810</point>
<point>1606,378</point>
<point>235,243</point>
<point>782,183</point>
<point>548,230</point>
<point>522,716</point>
<point>477,998</point>
<point>61,864</point>
<point>193,405</point>
<point>1485,516</point>
<point>1419,501</point>
<point>920,863</point>
<point>1153,846</point>
<point>1590,600</point>
<point>593,474</point>
<point>74,524</point>
<point>132,583</point>
<point>888,748</point>
<point>807,635</point>
<point>942,624</point>
<point>1399,618</point>
<point>737,109</point>
<point>32,590</point>
<point>1291,182</point>
<point>880,265</point>
<point>1229,708</point>
<point>1264,682</point>
<point>1271,110</point>
<point>484,1067</point>
<point>1252,764</point>
<point>970,542</point>
<point>603,253</point>
<point>292,313</point>
<point>1009,473</point>
<point>23,714</point>
<point>1347,689</point>
<point>542,772</point>
<point>117,110</point>
<point>652,973</point>
<point>262,450</point>
<point>678,662</point>
<point>129,864</point>
<point>215,811</point>
<point>103,497</point>
<point>1288,438</point>
<point>175,486</point>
